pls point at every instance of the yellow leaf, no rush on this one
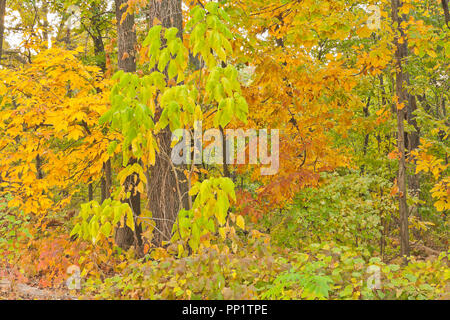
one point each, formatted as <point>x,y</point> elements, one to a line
<point>364,32</point>
<point>222,233</point>
<point>240,222</point>
<point>431,53</point>
<point>440,205</point>
<point>156,21</point>
<point>400,106</point>
<point>3,89</point>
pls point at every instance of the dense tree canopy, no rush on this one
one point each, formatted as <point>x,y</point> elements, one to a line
<point>350,97</point>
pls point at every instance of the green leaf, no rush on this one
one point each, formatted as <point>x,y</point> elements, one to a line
<point>171,34</point>
<point>212,7</point>
<point>112,146</point>
<point>173,69</point>
<point>154,33</point>
<point>75,230</point>
<point>163,59</point>
<point>240,222</point>
<point>130,219</point>
<point>106,229</point>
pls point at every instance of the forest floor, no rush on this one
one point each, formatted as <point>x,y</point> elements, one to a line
<point>13,286</point>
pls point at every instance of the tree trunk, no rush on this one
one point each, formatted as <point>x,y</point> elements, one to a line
<point>164,202</point>
<point>97,38</point>
<point>106,180</point>
<point>126,33</point>
<point>99,52</point>
<point>446,12</point>
<point>90,192</point>
<point>413,137</point>
<point>2,25</point>
<point>413,144</point>
<point>39,173</point>
<point>401,93</point>
<point>366,137</point>
<point>45,24</point>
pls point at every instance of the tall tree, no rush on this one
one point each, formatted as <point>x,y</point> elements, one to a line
<point>2,25</point>
<point>126,34</point>
<point>45,24</point>
<point>402,95</point>
<point>163,201</point>
<point>446,12</point>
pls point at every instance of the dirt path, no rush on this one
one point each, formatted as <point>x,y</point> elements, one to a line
<point>14,290</point>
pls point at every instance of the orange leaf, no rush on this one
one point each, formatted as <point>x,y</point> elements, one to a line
<point>400,106</point>
<point>156,21</point>
<point>394,155</point>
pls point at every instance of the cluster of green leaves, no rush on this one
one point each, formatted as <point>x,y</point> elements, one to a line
<point>327,271</point>
<point>223,88</point>
<point>311,280</point>
<point>96,221</point>
<point>14,228</point>
<point>208,215</point>
<point>346,208</point>
<point>174,55</point>
<point>180,107</point>
<point>209,33</point>
<point>130,113</point>
<point>134,98</point>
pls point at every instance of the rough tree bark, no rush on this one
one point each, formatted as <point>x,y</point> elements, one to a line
<point>126,32</point>
<point>163,201</point>
<point>402,94</point>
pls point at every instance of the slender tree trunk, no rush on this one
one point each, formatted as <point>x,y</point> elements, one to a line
<point>97,38</point>
<point>446,12</point>
<point>99,52</point>
<point>366,138</point>
<point>45,24</point>
<point>413,144</point>
<point>164,202</point>
<point>2,25</point>
<point>68,39</point>
<point>90,192</point>
<point>39,173</point>
<point>412,137</point>
<point>106,181</point>
<point>401,93</point>
<point>126,32</point>
<point>226,169</point>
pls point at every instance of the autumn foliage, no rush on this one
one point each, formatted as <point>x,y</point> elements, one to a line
<point>357,89</point>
